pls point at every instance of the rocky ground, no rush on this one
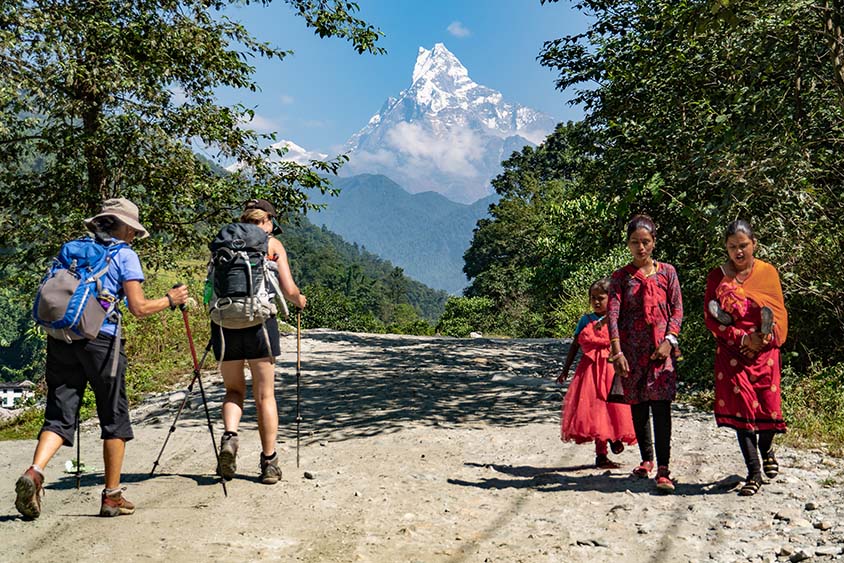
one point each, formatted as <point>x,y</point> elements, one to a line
<point>422,449</point>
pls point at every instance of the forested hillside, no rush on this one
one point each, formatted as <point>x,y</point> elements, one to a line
<point>320,258</point>
<point>425,233</point>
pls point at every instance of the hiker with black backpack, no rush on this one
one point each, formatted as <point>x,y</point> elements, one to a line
<point>248,274</point>
<point>77,304</point>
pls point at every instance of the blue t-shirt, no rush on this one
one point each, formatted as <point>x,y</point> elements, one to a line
<point>585,320</point>
<point>126,266</point>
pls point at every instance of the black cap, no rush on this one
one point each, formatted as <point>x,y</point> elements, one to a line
<point>261,204</point>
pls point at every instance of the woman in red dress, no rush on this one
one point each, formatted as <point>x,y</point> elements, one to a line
<point>747,355</point>
<point>587,416</point>
<point>644,315</point>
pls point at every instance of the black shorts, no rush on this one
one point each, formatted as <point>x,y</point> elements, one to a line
<point>252,343</point>
<point>70,366</point>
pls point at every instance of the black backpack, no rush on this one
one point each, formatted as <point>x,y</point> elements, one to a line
<point>243,286</point>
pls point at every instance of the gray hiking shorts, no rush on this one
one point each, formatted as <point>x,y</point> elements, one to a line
<point>70,366</point>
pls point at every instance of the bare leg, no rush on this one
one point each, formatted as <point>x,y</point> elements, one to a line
<point>48,444</point>
<point>263,391</point>
<point>113,452</point>
<point>235,383</point>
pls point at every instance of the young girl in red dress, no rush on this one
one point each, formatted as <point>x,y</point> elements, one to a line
<point>587,416</point>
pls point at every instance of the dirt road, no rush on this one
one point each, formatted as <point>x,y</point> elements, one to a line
<point>421,449</point>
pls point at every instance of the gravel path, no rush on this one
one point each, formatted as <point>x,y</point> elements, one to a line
<point>422,449</point>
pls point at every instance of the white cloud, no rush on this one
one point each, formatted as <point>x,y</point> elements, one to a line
<point>451,153</point>
<point>378,159</point>
<point>457,29</point>
<point>286,100</point>
<point>262,124</point>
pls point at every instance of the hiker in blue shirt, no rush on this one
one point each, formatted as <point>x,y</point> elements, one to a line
<point>74,363</point>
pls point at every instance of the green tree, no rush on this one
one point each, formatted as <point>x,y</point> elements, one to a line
<point>712,110</point>
<point>109,98</point>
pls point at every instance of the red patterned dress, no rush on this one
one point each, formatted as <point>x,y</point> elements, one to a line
<point>747,390</point>
<point>587,416</point>
<point>640,312</point>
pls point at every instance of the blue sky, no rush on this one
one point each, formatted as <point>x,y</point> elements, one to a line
<point>325,91</point>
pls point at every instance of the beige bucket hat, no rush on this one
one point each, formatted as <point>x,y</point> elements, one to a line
<point>123,210</point>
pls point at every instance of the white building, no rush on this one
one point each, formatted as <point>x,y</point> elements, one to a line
<point>12,394</point>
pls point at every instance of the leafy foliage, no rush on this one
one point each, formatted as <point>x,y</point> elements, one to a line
<point>105,99</point>
<point>464,315</point>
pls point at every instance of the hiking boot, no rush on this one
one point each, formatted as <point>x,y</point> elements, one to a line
<point>114,504</point>
<point>228,456</point>
<point>718,313</point>
<point>270,471</point>
<point>663,481</point>
<point>29,490</point>
<point>767,324</point>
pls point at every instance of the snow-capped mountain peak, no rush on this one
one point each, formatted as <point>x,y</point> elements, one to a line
<point>436,62</point>
<point>445,132</point>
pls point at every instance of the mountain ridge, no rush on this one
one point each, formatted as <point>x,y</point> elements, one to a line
<point>425,233</point>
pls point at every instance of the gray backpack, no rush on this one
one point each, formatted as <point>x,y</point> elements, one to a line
<point>243,284</point>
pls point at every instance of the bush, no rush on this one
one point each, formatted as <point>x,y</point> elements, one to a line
<point>813,406</point>
<point>464,315</point>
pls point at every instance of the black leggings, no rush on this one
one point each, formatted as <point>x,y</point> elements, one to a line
<point>661,430</point>
<point>749,442</point>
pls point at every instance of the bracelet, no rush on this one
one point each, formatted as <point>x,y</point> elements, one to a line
<point>170,300</point>
<point>617,356</point>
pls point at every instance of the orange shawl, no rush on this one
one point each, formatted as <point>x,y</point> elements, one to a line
<point>763,287</point>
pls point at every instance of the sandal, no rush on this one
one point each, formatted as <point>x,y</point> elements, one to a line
<point>644,469</point>
<point>767,324</point>
<point>603,462</point>
<point>770,466</point>
<point>719,314</point>
<point>663,480</point>
<point>617,446</point>
<point>751,486</point>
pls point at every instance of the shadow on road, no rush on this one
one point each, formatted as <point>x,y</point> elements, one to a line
<point>358,386</point>
<point>556,479</point>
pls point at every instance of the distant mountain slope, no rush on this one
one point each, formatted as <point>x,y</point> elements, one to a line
<point>424,233</point>
<point>319,256</point>
<point>444,133</point>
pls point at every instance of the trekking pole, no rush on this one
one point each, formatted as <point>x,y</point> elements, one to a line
<point>298,367</point>
<point>78,451</point>
<point>197,366</point>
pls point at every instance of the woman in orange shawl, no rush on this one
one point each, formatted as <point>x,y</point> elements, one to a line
<point>747,356</point>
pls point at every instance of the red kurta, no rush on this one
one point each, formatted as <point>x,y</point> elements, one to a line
<point>640,312</point>
<point>587,416</point>
<point>747,390</point>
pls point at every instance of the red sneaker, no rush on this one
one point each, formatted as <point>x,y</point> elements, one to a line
<point>644,469</point>
<point>663,481</point>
